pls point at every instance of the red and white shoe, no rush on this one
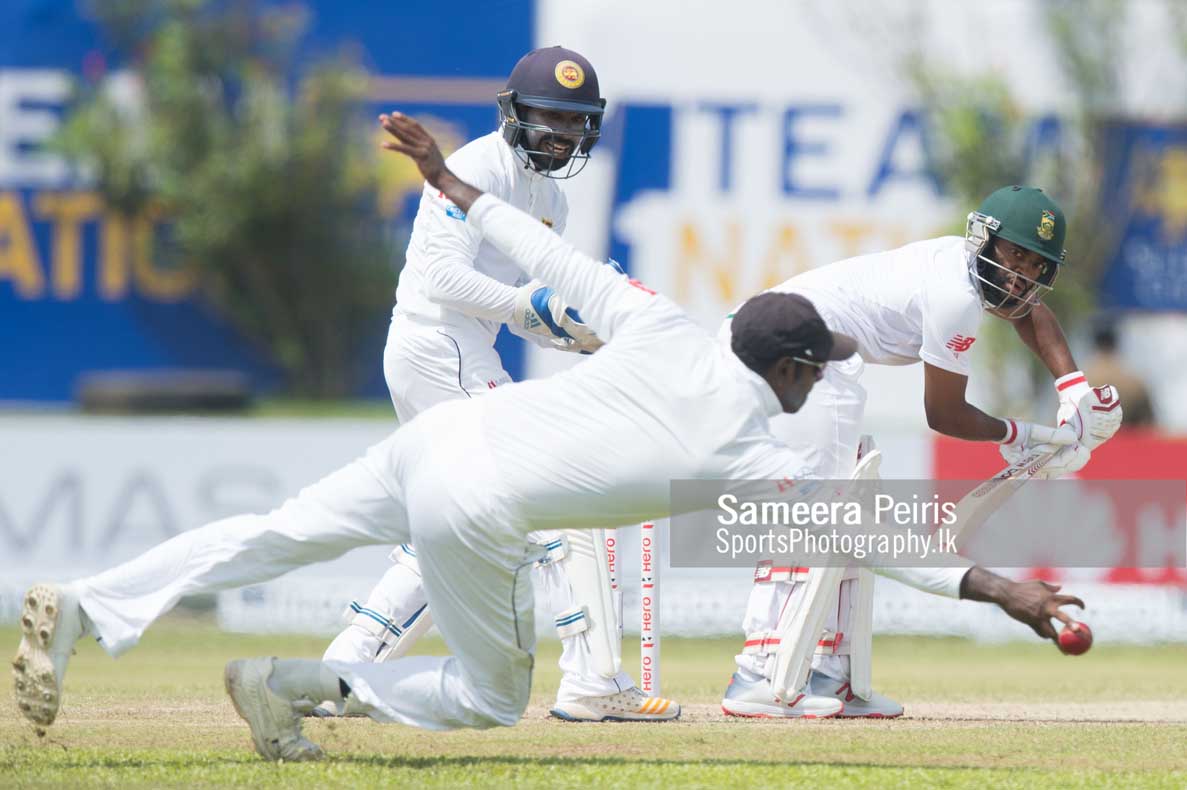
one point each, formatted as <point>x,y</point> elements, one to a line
<point>755,699</point>
<point>876,707</point>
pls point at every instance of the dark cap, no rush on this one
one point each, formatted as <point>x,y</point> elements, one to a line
<point>555,78</point>
<point>773,325</point>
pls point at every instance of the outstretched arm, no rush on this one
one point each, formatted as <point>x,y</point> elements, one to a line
<point>1033,602</point>
<point>1040,331</point>
<point>411,139</point>
<point>949,412</point>
<point>604,297</point>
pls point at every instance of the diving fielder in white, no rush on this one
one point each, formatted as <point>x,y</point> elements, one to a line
<point>919,303</point>
<point>455,291</point>
<point>468,480</point>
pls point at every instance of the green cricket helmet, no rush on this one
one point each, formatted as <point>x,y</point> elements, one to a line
<point>1024,216</point>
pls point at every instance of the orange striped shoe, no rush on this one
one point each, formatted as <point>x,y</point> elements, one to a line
<point>629,705</point>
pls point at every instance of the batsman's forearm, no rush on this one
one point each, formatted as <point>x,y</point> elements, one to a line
<point>983,585</point>
<point>968,423</point>
<point>1042,334</point>
<point>462,194</point>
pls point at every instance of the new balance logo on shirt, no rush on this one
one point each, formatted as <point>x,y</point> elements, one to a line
<point>960,343</point>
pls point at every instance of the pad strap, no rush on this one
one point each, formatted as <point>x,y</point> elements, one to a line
<point>405,554</point>
<point>760,643</point>
<point>377,624</point>
<point>555,550</point>
<point>767,572</point>
<point>571,622</point>
<point>830,644</point>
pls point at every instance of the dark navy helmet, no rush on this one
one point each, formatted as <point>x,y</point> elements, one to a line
<point>552,79</point>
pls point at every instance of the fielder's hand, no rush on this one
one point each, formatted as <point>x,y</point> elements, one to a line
<point>1035,603</point>
<point>412,140</point>
<point>1094,413</point>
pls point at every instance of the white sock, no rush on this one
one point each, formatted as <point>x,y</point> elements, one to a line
<point>304,679</point>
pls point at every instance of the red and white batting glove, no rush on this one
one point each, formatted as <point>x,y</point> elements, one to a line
<point>1067,461</point>
<point>1024,437</point>
<point>1094,413</point>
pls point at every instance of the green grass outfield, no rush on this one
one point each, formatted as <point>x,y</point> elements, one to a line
<point>1017,715</point>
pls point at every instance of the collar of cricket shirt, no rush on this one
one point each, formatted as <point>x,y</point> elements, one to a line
<point>766,395</point>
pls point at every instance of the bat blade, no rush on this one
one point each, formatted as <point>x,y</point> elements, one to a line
<point>979,504</point>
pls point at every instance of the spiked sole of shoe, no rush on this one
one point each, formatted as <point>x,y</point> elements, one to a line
<point>34,683</point>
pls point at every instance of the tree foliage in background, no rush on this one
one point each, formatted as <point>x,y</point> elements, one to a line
<point>266,176</point>
<point>983,140</point>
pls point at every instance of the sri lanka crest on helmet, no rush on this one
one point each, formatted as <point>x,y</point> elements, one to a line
<point>570,74</point>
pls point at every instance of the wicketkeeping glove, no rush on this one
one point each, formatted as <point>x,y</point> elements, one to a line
<point>540,310</point>
<point>1094,413</point>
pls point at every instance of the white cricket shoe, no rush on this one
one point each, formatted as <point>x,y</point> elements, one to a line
<point>51,622</point>
<point>876,707</point>
<point>629,705</point>
<point>755,699</point>
<point>275,722</point>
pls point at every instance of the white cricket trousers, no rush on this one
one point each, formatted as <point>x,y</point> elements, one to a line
<point>471,546</point>
<point>426,363</point>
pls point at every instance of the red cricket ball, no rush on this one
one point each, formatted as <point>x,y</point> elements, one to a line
<point>1075,639</point>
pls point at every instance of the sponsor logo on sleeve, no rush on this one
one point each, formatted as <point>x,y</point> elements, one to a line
<point>451,208</point>
<point>959,343</point>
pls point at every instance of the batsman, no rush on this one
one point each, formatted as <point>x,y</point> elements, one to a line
<point>920,303</point>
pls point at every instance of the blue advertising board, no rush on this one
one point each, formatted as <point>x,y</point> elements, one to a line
<point>1146,189</point>
<point>79,290</point>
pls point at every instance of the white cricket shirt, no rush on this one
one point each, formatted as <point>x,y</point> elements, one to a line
<point>452,275</point>
<point>913,303</point>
